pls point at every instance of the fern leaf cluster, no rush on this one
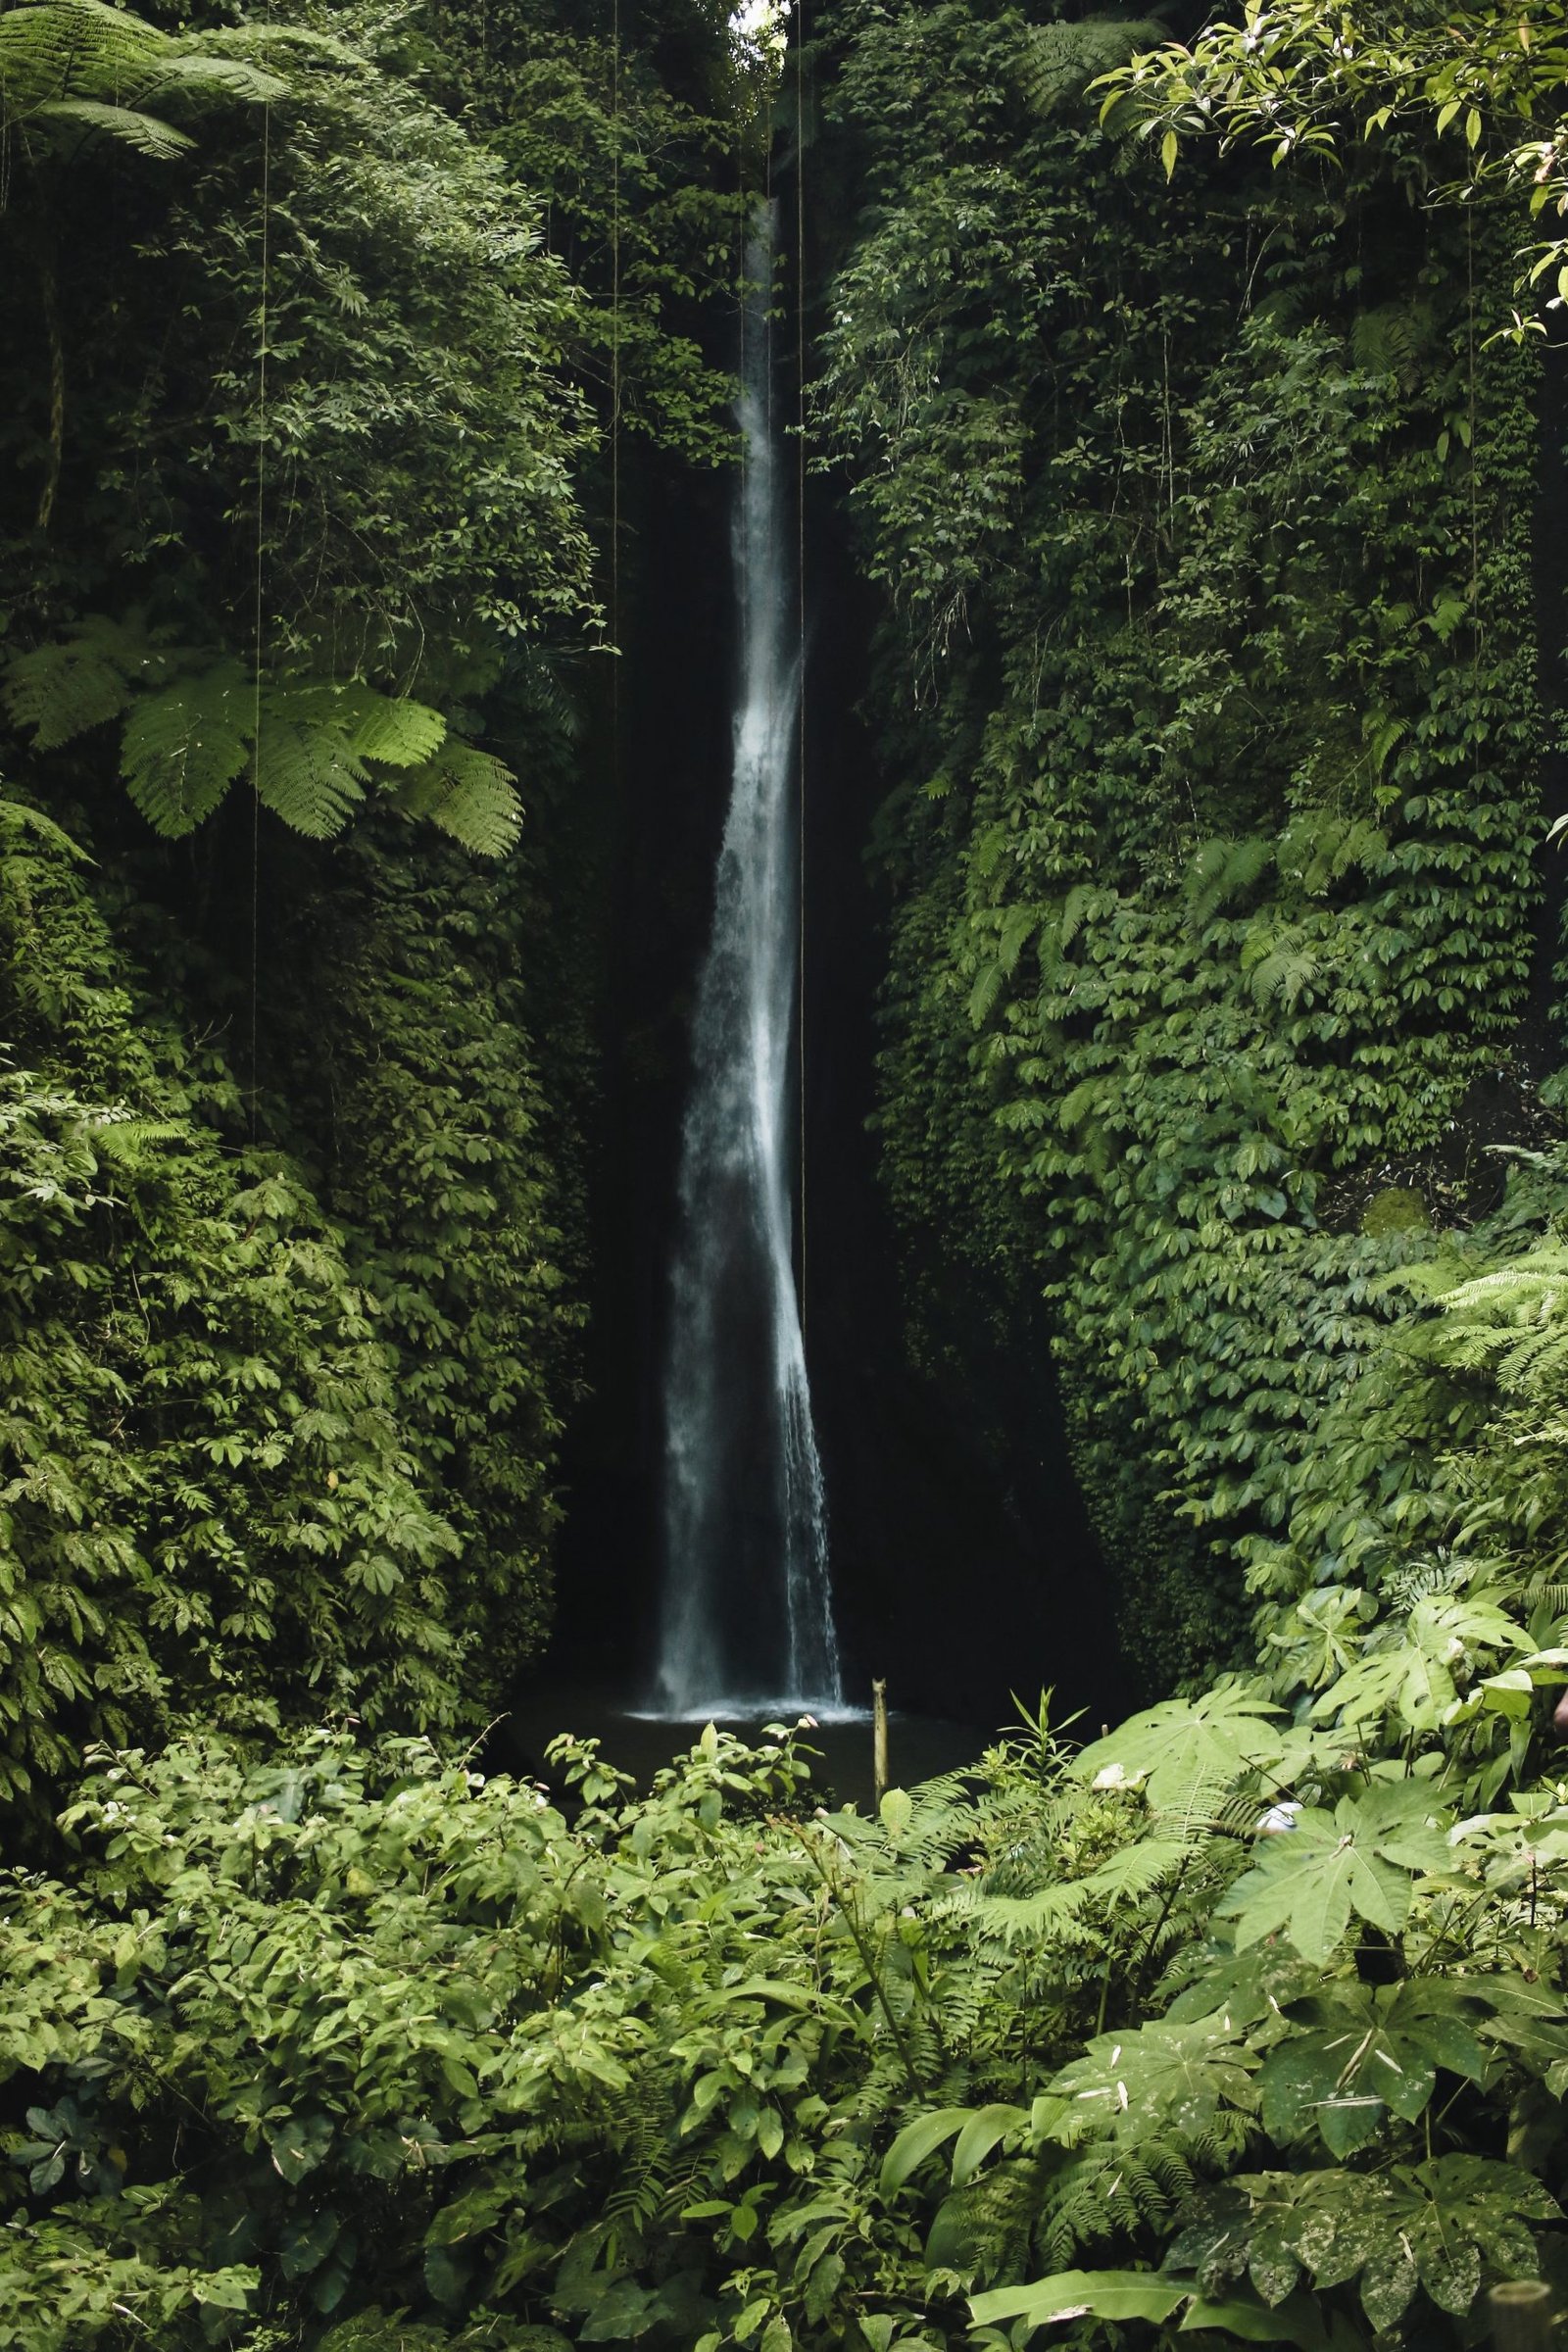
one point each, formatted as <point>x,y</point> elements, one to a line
<point>1059,60</point>
<point>193,725</point>
<point>73,71</point>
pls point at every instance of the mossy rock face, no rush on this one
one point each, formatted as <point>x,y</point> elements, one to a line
<point>1395,1209</point>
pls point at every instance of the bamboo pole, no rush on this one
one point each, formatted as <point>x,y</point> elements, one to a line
<point>1521,2314</point>
<point>879,1742</point>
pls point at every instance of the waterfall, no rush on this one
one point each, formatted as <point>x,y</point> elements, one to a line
<point>747,1607</point>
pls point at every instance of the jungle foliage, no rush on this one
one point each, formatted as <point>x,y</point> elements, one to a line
<point>355,2048</point>
<point>308,367</point>
<point>1214,699</point>
<point>1211,678</point>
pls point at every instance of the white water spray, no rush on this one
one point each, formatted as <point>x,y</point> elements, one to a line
<point>748,1617</point>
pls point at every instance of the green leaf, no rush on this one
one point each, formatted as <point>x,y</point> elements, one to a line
<point>1184,1747</point>
<point>393,730</point>
<point>64,689</point>
<point>1296,2321</point>
<point>1359,1860</point>
<point>306,2242</point>
<point>300,2145</point>
<point>185,744</point>
<point>984,2131</point>
<point>1161,2074</point>
<point>470,794</point>
<point>895,1812</point>
<point>1074,2294</point>
<point>305,766</point>
<point>446,2275</point>
<point>919,2141</point>
<point>227,2290</point>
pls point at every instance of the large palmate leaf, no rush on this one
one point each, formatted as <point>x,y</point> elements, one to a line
<point>1359,1860</point>
<point>1367,2051</point>
<point>1160,2076</point>
<point>1443,2225</point>
<point>1413,1678</point>
<point>1185,1747</point>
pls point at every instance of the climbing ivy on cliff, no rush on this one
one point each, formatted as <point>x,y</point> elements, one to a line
<point>211,1504</point>
<point>1213,685</point>
<point>307,351</point>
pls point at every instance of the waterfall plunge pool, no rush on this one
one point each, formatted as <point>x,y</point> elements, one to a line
<point>636,1741</point>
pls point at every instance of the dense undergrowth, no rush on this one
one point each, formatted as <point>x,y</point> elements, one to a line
<point>306,374</point>
<point>1215,693</point>
<point>1212,711</point>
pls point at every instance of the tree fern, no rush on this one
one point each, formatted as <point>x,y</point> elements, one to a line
<point>71,48</point>
<point>80,682</point>
<point>73,71</point>
<point>305,766</point>
<point>183,747</point>
<point>191,732</point>
<point>469,794</point>
<point>92,118</point>
<point>394,732</point>
<point>1059,59</point>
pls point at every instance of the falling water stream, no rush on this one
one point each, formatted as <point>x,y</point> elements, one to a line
<point>746,1617</point>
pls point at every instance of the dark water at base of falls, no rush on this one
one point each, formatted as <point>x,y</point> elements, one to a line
<point>919,1747</point>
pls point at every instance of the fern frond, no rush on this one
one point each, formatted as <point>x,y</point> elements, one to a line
<point>204,76</point>
<point>1282,973</point>
<point>81,66</point>
<point>18,816</point>
<point>64,689</point>
<point>1420,1581</point>
<point>1396,339</point>
<point>72,48</point>
<point>1222,871</point>
<point>1082,904</point>
<point>147,133</point>
<point>183,747</point>
<point>986,994</point>
<point>126,1140</point>
<point>304,766</point>
<point>392,730</point>
<point>469,794</point>
<point>1060,59</point>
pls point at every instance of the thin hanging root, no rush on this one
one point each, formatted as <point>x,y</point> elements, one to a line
<point>57,391</point>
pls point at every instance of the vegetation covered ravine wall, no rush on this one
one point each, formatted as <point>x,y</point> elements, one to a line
<point>1204,515</point>
<point>1194,413</point>
<point>308,590</point>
